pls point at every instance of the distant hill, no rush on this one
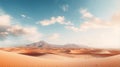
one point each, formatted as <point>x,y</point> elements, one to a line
<point>43,44</point>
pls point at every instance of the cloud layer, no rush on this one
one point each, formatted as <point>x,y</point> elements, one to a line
<point>53,20</point>
<point>93,22</point>
<point>90,22</point>
<point>8,29</point>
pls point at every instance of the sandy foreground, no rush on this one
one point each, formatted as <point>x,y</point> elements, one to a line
<point>9,59</point>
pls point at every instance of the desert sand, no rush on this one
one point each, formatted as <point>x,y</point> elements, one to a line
<point>10,59</point>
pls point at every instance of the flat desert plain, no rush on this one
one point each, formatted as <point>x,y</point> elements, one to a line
<point>58,58</point>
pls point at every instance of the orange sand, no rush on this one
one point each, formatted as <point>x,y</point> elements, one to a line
<point>9,59</point>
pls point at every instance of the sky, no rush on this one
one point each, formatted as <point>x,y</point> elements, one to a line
<point>94,23</point>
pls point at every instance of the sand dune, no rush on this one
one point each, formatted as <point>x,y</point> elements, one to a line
<point>66,57</point>
<point>9,59</point>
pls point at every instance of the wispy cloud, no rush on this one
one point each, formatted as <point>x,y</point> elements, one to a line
<point>65,7</point>
<point>85,13</point>
<point>53,20</point>
<point>25,16</point>
<point>73,28</point>
<point>93,22</point>
<point>90,22</point>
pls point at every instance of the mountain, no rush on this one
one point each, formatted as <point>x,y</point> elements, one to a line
<point>43,44</point>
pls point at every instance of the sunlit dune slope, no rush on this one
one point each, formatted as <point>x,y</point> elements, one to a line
<point>9,59</point>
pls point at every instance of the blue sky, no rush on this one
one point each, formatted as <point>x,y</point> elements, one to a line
<point>94,23</point>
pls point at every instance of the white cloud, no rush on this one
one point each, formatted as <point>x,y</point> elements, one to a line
<point>53,20</point>
<point>93,22</point>
<point>30,33</point>
<point>5,20</point>
<point>25,16</point>
<point>73,28</point>
<point>7,29</point>
<point>97,23</point>
<point>96,32</point>
<point>85,13</point>
<point>65,7</point>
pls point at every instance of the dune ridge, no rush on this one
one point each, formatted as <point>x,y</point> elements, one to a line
<point>9,59</point>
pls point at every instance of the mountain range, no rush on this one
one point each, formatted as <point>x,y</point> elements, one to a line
<point>43,44</point>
